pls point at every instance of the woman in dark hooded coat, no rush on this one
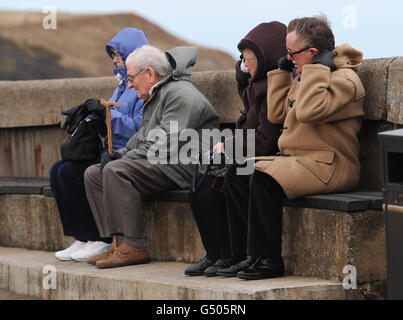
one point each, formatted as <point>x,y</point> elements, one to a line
<point>260,50</point>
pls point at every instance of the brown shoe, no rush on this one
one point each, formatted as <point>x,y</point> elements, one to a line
<point>104,255</point>
<point>124,255</point>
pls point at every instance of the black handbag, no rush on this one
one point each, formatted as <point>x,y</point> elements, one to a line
<point>216,169</point>
<point>83,144</point>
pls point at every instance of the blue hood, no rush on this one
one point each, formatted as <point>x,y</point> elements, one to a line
<point>126,41</point>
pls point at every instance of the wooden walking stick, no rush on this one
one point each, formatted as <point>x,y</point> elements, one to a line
<point>108,105</point>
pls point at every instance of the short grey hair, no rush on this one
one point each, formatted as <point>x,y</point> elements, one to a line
<point>151,57</point>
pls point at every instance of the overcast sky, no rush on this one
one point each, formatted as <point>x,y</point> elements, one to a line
<point>373,26</point>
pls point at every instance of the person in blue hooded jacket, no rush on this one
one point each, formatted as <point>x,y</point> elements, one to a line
<point>67,177</point>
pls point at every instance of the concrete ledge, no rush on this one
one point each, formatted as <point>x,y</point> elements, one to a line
<point>23,185</point>
<point>33,221</point>
<point>6,294</point>
<point>316,242</point>
<point>30,136</point>
<point>374,75</point>
<point>39,102</point>
<point>395,91</point>
<point>29,151</point>
<point>220,89</point>
<point>21,272</point>
<point>348,202</point>
<point>322,242</point>
<point>352,201</point>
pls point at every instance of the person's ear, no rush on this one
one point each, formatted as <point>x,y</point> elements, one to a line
<point>313,51</point>
<point>152,74</point>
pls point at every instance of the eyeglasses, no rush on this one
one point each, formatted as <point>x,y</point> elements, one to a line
<point>133,77</point>
<point>292,54</point>
<point>116,55</point>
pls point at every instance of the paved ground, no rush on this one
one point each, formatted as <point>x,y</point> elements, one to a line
<point>156,280</point>
<point>8,295</point>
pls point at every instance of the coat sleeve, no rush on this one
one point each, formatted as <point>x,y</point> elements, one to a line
<point>242,81</point>
<point>177,114</point>
<point>278,86</point>
<point>126,125</point>
<point>325,96</point>
<point>266,133</point>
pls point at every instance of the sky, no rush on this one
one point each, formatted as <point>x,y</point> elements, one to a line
<point>372,26</point>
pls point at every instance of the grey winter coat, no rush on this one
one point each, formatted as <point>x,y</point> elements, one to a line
<point>176,99</point>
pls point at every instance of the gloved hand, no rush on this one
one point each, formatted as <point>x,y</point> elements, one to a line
<point>243,67</point>
<point>106,157</point>
<point>285,64</point>
<point>74,116</point>
<point>325,57</point>
<point>99,126</point>
<point>95,107</point>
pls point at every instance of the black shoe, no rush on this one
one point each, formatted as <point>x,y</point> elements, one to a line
<point>221,264</point>
<point>198,268</point>
<point>263,268</point>
<point>235,268</point>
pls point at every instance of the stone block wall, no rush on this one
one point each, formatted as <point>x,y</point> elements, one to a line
<point>30,133</point>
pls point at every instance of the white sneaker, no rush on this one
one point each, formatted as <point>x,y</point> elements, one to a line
<point>65,255</point>
<point>91,248</point>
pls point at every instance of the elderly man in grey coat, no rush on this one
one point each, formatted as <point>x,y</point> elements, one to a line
<point>152,160</point>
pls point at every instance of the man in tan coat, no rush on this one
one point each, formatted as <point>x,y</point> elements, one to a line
<point>321,111</point>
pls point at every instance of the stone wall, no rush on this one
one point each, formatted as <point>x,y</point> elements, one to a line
<point>30,133</point>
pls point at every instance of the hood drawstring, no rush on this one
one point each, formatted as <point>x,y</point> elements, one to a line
<point>121,76</point>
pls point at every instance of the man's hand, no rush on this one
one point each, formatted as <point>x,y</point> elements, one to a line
<point>95,107</point>
<point>325,57</point>
<point>106,157</point>
<point>285,64</point>
<point>219,148</point>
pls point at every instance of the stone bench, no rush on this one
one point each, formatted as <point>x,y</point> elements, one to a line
<point>348,202</point>
<point>321,234</point>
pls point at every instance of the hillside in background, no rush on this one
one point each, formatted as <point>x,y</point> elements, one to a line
<point>77,47</point>
<point>18,63</point>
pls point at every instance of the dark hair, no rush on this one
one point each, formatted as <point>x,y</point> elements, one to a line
<point>315,31</point>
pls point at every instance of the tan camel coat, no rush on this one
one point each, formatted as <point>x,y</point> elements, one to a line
<point>322,114</point>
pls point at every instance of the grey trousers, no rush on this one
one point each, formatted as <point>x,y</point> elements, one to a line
<point>115,197</point>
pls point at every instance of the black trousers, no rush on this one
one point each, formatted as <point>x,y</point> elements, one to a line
<point>67,183</point>
<point>244,220</point>
<point>255,213</point>
<point>208,208</point>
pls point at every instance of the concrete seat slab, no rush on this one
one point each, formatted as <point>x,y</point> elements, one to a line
<point>374,199</point>
<point>349,202</point>
<point>337,202</point>
<point>22,185</point>
<point>22,272</point>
